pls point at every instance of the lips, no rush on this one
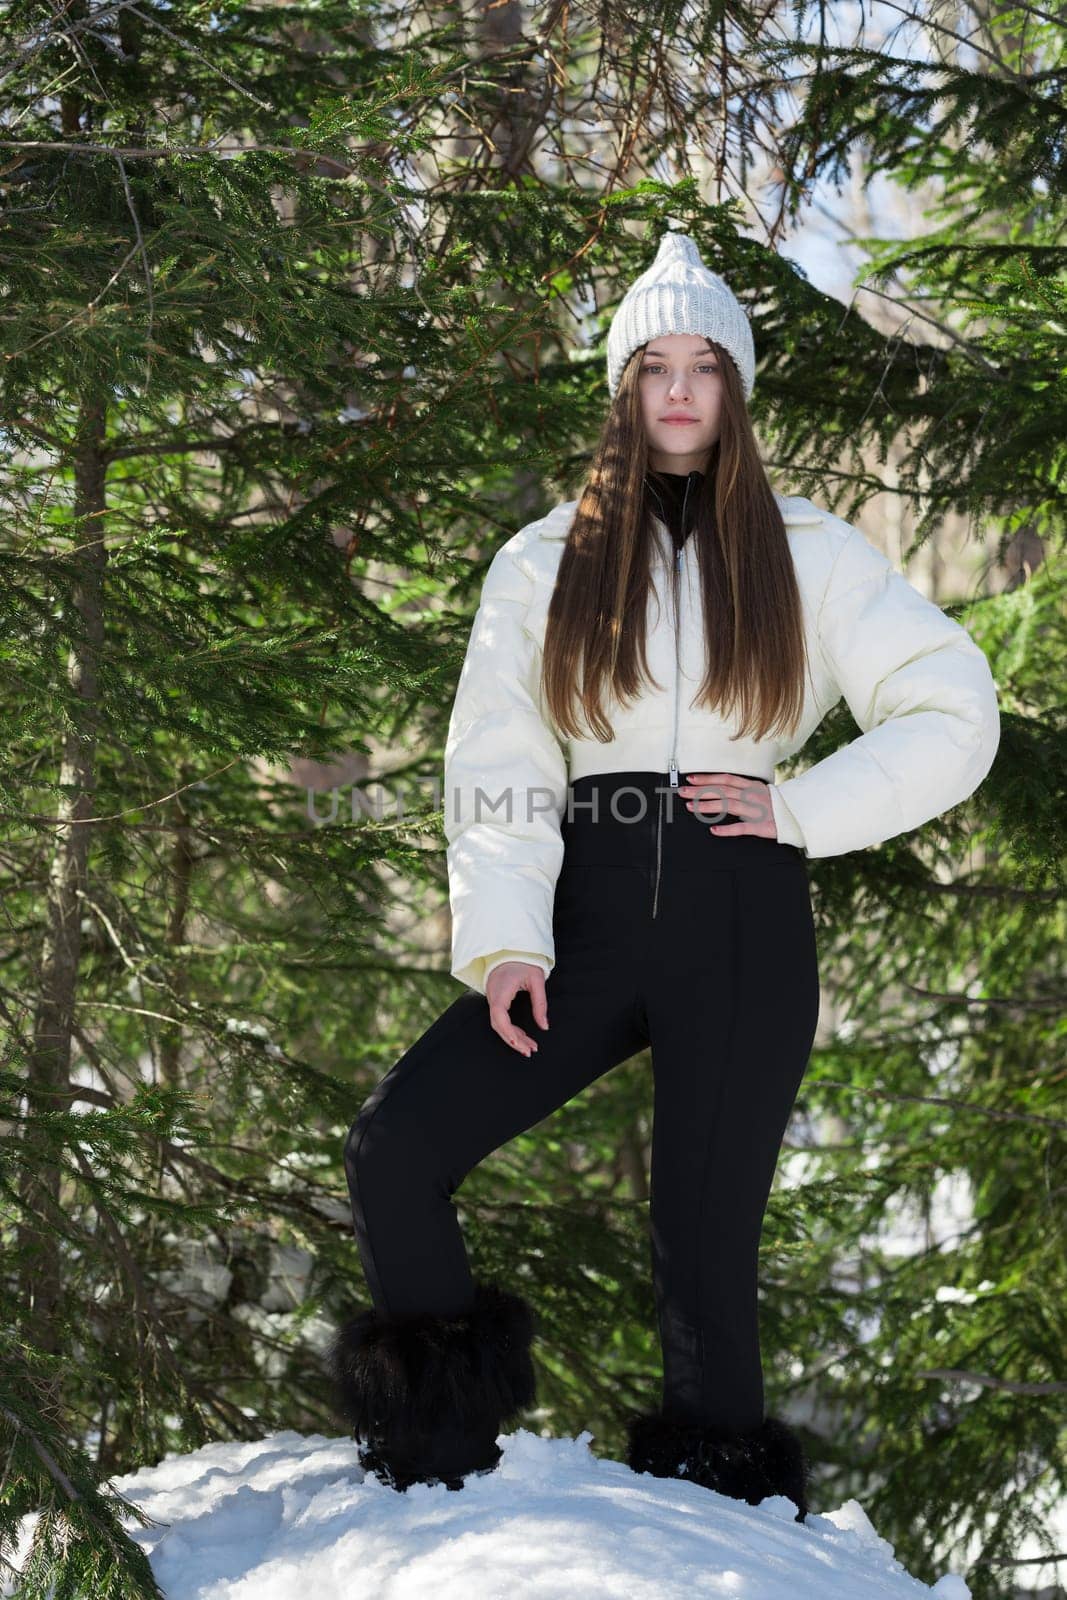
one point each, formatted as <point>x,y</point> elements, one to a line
<point>679,419</point>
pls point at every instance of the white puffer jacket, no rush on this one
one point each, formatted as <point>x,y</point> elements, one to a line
<point>914,679</point>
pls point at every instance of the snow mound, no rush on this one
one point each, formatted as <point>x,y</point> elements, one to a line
<point>294,1517</point>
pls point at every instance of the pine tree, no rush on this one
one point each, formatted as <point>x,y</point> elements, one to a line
<point>944,1387</point>
<point>281,371</point>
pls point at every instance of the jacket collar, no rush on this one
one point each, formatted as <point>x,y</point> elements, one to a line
<point>797,511</point>
<point>673,498</point>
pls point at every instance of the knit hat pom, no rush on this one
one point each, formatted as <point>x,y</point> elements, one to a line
<point>677,247</point>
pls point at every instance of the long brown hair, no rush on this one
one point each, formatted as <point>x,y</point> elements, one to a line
<point>595,629</point>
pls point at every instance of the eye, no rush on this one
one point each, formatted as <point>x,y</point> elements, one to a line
<point>656,366</point>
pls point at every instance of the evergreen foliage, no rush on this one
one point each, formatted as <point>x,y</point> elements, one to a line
<point>301,315</point>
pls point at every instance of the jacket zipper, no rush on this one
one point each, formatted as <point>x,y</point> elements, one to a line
<point>673,762</point>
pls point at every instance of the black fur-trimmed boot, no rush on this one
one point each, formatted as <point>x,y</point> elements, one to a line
<point>746,1464</point>
<point>426,1395</point>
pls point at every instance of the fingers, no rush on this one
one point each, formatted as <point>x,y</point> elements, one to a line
<point>730,784</point>
<point>735,795</point>
<point>503,994</point>
<point>502,1024</point>
<point>503,985</point>
<point>538,1002</point>
<point>752,807</point>
<point>723,791</point>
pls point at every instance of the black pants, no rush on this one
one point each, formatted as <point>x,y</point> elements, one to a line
<point>667,935</point>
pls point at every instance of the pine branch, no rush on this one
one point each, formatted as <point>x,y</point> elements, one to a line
<point>983,1379</point>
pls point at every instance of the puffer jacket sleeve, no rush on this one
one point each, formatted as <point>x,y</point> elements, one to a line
<point>505,782</point>
<point>921,690</point>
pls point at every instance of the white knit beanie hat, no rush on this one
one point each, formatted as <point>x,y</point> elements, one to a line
<point>679,294</point>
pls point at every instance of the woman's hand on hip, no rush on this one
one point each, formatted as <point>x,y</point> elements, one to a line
<point>709,792</point>
<point>501,987</point>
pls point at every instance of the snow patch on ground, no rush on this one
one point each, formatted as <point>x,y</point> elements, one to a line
<point>294,1517</point>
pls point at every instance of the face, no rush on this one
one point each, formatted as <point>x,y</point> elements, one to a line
<point>679,375</point>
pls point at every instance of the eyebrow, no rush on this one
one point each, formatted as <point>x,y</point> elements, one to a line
<point>701,351</point>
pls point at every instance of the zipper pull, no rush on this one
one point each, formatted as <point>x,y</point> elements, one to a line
<point>678,558</point>
<point>674,772</point>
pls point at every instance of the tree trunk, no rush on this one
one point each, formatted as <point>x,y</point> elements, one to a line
<point>48,1071</point>
<point>181,873</point>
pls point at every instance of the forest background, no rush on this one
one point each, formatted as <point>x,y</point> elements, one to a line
<point>302,314</point>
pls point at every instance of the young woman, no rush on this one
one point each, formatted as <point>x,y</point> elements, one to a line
<point>624,872</point>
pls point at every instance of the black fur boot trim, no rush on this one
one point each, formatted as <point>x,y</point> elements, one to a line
<point>427,1394</point>
<point>746,1464</point>
<point>447,1458</point>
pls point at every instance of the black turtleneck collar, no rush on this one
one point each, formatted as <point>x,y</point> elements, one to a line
<point>668,493</point>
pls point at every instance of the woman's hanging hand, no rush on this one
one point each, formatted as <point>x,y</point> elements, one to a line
<point>709,792</point>
<point>501,987</point>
